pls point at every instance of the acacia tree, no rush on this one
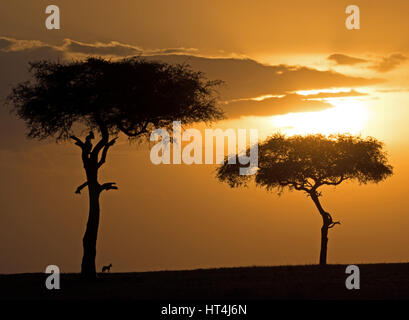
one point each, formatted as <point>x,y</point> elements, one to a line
<point>106,98</point>
<point>306,163</point>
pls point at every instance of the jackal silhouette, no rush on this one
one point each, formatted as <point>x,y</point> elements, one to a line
<point>107,268</point>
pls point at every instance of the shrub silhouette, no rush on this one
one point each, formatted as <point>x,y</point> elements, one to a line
<point>306,163</point>
<point>106,98</point>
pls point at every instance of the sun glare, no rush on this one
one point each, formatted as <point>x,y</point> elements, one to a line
<point>346,116</point>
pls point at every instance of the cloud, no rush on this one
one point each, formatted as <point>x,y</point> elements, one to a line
<point>99,48</point>
<point>13,45</point>
<point>342,94</point>
<point>118,49</point>
<point>181,50</point>
<point>4,43</point>
<point>389,63</point>
<point>14,69</point>
<point>343,59</point>
<point>393,90</point>
<point>113,48</point>
<point>385,64</point>
<point>273,106</point>
<point>246,78</point>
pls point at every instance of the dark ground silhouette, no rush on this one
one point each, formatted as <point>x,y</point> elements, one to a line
<point>378,281</point>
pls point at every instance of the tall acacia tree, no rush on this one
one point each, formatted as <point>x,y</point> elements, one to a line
<point>306,163</point>
<point>106,98</point>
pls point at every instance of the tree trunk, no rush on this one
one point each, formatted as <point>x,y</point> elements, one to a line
<point>92,163</point>
<point>324,243</point>
<point>89,241</point>
<point>324,229</point>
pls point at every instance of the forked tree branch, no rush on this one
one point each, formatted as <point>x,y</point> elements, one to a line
<point>105,151</point>
<point>101,143</point>
<point>332,223</point>
<point>329,183</point>
<point>299,187</point>
<point>85,147</point>
<point>78,142</point>
<point>109,186</point>
<point>78,191</point>
<point>327,218</point>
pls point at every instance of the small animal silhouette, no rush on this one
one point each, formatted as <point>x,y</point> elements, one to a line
<point>107,268</point>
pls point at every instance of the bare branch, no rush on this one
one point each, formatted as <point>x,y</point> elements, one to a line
<point>333,224</point>
<point>308,183</point>
<point>78,191</point>
<point>105,151</point>
<point>329,183</point>
<point>299,187</point>
<point>109,186</point>
<point>78,142</point>
<point>101,143</point>
<point>85,147</point>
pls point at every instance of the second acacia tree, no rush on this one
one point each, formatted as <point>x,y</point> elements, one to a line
<point>307,163</point>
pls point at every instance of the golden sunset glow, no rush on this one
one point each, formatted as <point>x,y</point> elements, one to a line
<point>285,66</point>
<point>347,116</point>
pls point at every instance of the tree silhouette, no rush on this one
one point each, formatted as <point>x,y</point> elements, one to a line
<point>306,163</point>
<point>106,98</point>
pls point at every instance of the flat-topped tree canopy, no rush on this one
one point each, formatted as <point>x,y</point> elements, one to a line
<point>308,162</point>
<point>132,96</point>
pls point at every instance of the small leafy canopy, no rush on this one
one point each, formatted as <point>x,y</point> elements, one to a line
<point>308,162</point>
<point>132,96</point>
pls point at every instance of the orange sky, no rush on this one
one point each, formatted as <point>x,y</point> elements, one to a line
<point>178,216</point>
